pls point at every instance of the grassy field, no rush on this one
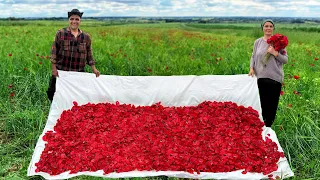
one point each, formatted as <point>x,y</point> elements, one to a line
<point>158,50</point>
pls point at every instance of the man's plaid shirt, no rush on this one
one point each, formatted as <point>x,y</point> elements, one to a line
<point>71,53</point>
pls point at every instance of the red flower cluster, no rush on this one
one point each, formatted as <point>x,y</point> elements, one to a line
<point>278,41</point>
<point>210,137</point>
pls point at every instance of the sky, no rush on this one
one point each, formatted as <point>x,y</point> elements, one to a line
<point>161,8</point>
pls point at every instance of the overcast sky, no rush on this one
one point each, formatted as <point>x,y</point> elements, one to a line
<point>92,8</point>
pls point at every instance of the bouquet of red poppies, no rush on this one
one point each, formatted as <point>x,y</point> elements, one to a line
<point>279,42</point>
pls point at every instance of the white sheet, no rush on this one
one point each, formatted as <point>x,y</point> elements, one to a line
<point>147,90</point>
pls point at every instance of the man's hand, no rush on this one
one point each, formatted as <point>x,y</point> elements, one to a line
<point>54,70</point>
<point>95,71</point>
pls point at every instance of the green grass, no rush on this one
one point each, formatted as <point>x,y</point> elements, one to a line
<point>184,48</point>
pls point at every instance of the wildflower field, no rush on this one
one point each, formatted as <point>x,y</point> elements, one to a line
<point>156,50</point>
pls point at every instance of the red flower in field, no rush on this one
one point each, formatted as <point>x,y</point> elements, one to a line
<point>290,105</point>
<point>25,69</point>
<point>10,54</point>
<point>10,86</point>
<point>47,57</point>
<point>311,64</point>
<point>149,70</point>
<point>316,59</point>
<point>281,93</point>
<point>12,94</point>
<point>167,68</point>
<point>281,127</point>
<point>40,62</point>
<point>296,77</point>
<point>296,92</point>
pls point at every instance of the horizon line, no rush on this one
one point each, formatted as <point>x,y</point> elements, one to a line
<point>164,16</point>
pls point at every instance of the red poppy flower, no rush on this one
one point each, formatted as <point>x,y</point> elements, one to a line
<point>281,93</point>
<point>296,77</point>
<point>281,128</point>
<point>316,59</point>
<point>10,86</point>
<point>12,94</point>
<point>10,54</point>
<point>296,92</point>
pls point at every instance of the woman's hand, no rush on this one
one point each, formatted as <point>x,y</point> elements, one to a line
<point>272,51</point>
<point>251,73</point>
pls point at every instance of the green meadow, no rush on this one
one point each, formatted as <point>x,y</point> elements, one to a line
<point>156,50</point>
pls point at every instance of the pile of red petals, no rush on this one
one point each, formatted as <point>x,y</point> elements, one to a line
<point>210,137</point>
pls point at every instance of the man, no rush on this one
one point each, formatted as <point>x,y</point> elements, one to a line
<point>71,51</point>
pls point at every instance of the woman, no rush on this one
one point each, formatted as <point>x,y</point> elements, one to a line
<point>269,72</point>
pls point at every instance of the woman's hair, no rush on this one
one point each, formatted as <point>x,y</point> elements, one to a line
<point>268,20</point>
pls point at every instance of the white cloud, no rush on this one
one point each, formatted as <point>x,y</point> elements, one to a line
<point>59,8</point>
